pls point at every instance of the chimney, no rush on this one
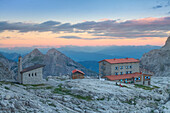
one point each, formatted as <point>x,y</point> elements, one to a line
<point>19,69</point>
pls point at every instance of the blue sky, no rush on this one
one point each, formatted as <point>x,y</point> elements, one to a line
<point>75,11</point>
<point>83,22</point>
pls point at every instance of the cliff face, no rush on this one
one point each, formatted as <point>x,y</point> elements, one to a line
<point>7,69</point>
<point>56,63</point>
<point>158,61</point>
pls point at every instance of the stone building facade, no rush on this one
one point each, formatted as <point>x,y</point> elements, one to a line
<point>118,66</point>
<point>30,75</point>
<point>123,70</point>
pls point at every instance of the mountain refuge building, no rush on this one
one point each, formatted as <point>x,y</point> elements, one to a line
<point>30,75</point>
<point>77,74</point>
<point>124,70</point>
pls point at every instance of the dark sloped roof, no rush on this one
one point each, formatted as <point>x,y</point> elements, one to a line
<point>32,68</point>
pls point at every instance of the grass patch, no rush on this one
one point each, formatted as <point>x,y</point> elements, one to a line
<point>100,98</point>
<point>52,104</point>
<point>156,87</point>
<point>5,82</point>
<point>64,91</point>
<point>7,88</point>
<point>48,87</point>
<point>34,85</point>
<point>144,87</point>
<point>131,101</point>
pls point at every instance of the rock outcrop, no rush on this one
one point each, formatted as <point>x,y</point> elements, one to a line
<point>85,96</point>
<point>7,69</point>
<point>167,44</point>
<point>158,61</point>
<point>56,63</point>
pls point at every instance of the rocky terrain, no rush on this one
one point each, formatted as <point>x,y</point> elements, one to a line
<point>56,63</point>
<point>86,96</point>
<point>158,61</point>
<point>7,69</point>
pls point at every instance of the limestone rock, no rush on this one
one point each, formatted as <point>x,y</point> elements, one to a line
<point>167,44</point>
<point>7,69</point>
<point>158,61</point>
<point>7,97</point>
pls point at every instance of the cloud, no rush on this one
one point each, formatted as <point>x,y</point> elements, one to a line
<point>109,29</point>
<point>70,37</point>
<point>157,7</point>
<point>76,37</point>
<point>2,38</point>
<point>27,27</point>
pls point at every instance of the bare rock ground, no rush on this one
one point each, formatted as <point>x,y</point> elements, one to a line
<point>85,96</point>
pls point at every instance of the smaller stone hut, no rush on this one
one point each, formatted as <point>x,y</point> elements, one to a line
<point>77,74</point>
<point>30,75</point>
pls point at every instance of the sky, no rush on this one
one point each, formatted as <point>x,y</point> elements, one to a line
<point>54,23</point>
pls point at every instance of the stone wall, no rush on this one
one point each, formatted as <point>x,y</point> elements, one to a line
<point>31,78</point>
<point>135,68</point>
<point>104,68</point>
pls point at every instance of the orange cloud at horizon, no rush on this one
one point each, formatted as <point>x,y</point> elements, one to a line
<point>17,39</point>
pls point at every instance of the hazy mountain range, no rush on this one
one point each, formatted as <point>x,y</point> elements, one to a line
<point>88,56</point>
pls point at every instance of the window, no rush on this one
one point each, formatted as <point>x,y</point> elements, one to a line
<point>126,67</point>
<point>32,74</point>
<point>35,74</point>
<point>116,68</point>
<point>29,74</point>
<point>116,73</point>
<point>127,72</point>
<point>139,78</point>
<point>130,67</point>
<point>121,67</point>
<point>121,73</point>
<point>130,72</point>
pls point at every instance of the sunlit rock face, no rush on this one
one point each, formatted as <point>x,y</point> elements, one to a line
<point>167,44</point>
<point>158,61</point>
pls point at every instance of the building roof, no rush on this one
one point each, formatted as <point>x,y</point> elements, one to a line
<point>121,60</point>
<point>125,76</point>
<point>76,70</point>
<point>32,68</point>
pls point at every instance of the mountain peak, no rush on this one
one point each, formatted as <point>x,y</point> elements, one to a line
<point>53,51</point>
<point>36,52</point>
<point>167,44</point>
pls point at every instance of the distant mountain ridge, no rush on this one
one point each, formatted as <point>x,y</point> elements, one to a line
<point>158,60</point>
<point>56,63</point>
<point>86,53</point>
<point>128,51</point>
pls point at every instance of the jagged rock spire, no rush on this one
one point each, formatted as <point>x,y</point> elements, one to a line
<point>167,44</point>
